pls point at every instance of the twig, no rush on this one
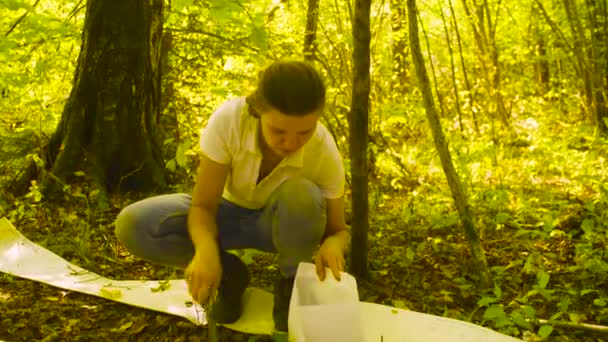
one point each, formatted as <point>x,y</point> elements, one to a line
<point>20,19</point>
<point>571,325</point>
<point>212,335</point>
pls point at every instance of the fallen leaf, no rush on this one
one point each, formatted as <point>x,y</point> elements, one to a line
<point>112,294</point>
<point>123,327</point>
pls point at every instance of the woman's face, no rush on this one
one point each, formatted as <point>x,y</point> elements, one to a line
<point>285,134</point>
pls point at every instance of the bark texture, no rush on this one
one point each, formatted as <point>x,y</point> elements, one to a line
<point>359,136</point>
<point>310,35</point>
<point>108,127</point>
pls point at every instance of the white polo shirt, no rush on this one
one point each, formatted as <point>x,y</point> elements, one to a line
<point>230,138</point>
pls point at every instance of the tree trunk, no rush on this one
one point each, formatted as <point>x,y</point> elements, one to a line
<point>168,122</point>
<point>484,30</point>
<point>400,79</point>
<point>312,18</point>
<point>541,66</point>
<point>460,199</point>
<point>539,49</point>
<point>598,17</point>
<point>358,136</point>
<point>580,46</point>
<point>456,95</point>
<point>108,127</point>
<point>471,100</point>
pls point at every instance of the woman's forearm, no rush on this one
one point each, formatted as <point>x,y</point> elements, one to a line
<point>202,225</point>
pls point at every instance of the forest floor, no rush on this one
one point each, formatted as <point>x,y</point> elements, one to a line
<point>543,266</point>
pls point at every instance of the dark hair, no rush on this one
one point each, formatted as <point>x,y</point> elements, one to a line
<point>291,87</point>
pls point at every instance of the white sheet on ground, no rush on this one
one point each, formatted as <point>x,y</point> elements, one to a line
<point>320,308</point>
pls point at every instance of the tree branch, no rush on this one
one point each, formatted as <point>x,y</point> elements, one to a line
<point>571,325</point>
<point>10,30</point>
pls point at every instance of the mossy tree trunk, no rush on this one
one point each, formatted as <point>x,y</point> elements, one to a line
<point>108,127</point>
<point>460,198</point>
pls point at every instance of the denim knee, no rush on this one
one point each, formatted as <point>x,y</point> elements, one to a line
<point>300,198</point>
<point>298,222</point>
<point>125,227</point>
<point>155,229</point>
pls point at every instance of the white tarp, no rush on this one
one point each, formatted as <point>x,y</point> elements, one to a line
<point>25,259</point>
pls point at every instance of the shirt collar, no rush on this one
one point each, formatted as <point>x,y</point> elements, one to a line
<point>252,143</point>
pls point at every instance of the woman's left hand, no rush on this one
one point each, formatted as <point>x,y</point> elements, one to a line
<point>331,255</point>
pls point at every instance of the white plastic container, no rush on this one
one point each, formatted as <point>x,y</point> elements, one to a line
<point>324,311</point>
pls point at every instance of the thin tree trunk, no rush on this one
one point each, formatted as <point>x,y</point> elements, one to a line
<point>312,18</point>
<point>471,99</point>
<point>432,65</point>
<point>460,198</point>
<point>598,54</point>
<point>358,136</point>
<point>453,70</point>
<point>400,79</point>
<point>487,52</point>
<point>580,45</point>
<point>109,123</point>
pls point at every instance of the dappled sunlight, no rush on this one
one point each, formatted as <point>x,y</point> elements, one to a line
<point>28,260</point>
<point>14,253</point>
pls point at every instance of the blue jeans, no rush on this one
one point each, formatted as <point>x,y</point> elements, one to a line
<point>292,225</point>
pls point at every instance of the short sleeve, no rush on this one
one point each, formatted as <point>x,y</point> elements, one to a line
<point>331,176</point>
<point>215,141</point>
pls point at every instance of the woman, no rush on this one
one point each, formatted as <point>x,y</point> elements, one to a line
<point>270,177</point>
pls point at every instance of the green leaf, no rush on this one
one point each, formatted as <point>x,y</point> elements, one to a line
<point>259,37</point>
<point>587,226</point>
<point>124,327</point>
<point>599,302</point>
<point>494,312</point>
<point>15,5</point>
<point>574,317</point>
<point>497,291</point>
<point>163,285</point>
<point>556,316</point>
<point>564,303</point>
<point>529,265</point>
<point>247,256</point>
<point>520,320</point>
<point>548,222</point>
<point>544,331</point>
<point>180,154</point>
<point>529,311</point>
<point>410,254</point>
<point>399,304</point>
<point>486,301</point>
<point>542,278</point>
<point>223,11</point>
<point>112,294</point>
<point>171,165</point>
<point>222,92</point>
<point>501,218</point>
<point>586,292</point>
<point>179,5</point>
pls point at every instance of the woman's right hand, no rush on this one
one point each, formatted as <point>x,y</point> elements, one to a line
<point>204,272</point>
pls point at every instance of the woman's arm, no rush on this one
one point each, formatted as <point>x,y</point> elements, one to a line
<point>336,240</point>
<point>204,272</point>
<point>206,197</point>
